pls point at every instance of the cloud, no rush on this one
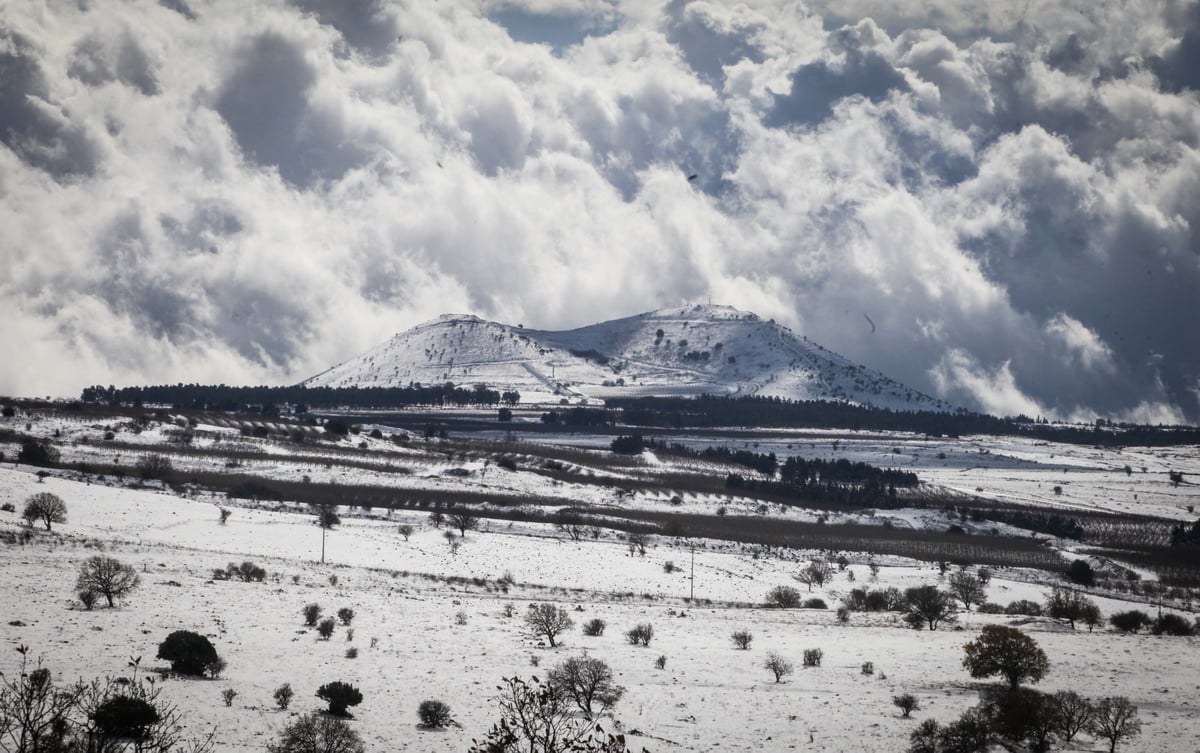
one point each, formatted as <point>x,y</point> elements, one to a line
<point>232,192</point>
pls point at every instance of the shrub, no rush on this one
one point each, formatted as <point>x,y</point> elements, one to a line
<point>248,571</point>
<point>433,714</point>
<point>779,666</point>
<point>311,612</point>
<point>107,576</point>
<point>1172,624</point>
<point>1025,607</point>
<point>224,513</point>
<point>340,696</point>
<point>815,604</point>
<point>1080,572</point>
<point>346,615</point>
<point>460,618</point>
<point>742,638</point>
<point>990,607</point>
<point>907,703</point>
<point>7,506</point>
<point>406,530</point>
<point>189,653</point>
<point>215,667</point>
<point>868,668</point>
<point>927,605</point>
<point>1008,652</point>
<point>535,718</point>
<point>843,615</point>
<point>594,627</point>
<point>283,695</point>
<point>227,695</point>
<point>1130,621</point>
<point>125,717</point>
<point>812,657</point>
<point>314,732</point>
<point>88,599</point>
<point>783,597</point>
<point>352,653</point>
<point>325,627</point>
<point>587,682</point>
<point>152,466</point>
<point>642,634</point>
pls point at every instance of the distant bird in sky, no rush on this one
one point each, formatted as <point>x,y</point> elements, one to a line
<point>693,176</point>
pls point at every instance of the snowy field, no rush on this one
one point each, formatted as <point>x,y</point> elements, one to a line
<point>408,596</point>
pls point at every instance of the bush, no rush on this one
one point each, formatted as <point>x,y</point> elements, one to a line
<point>340,696</point>
<point>990,607</point>
<point>907,703</point>
<point>661,662</point>
<point>227,695</point>
<point>283,695</point>
<point>742,638</point>
<point>642,634</point>
<point>152,466</point>
<point>1025,607</point>
<point>812,657</point>
<point>314,732</point>
<point>1080,572</point>
<point>815,604</point>
<point>927,605</point>
<point>7,506</point>
<point>325,627</point>
<point>433,714</point>
<point>1130,621</point>
<point>37,453</point>
<point>783,597</point>
<point>346,615</point>
<point>311,612</point>
<point>189,653</point>
<point>88,599</point>
<point>1172,624</point>
<point>778,666</point>
<point>594,627</point>
<point>868,668</point>
<point>125,717</point>
<point>352,653</point>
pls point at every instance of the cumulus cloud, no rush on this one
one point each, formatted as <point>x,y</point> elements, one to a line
<point>251,192</point>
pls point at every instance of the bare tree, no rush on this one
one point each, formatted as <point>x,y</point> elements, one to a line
<point>317,732</point>
<point>967,588</point>
<point>548,620</point>
<point>1073,713</point>
<point>817,574</point>
<point>407,530</point>
<point>587,682</point>
<point>108,576</point>
<point>637,543</point>
<point>153,466</point>
<point>571,523</point>
<point>463,520</point>
<point>31,707</point>
<point>778,666</point>
<point>742,638</point>
<point>1072,606</point>
<point>537,719</point>
<point>1115,719</point>
<point>926,605</point>
<point>907,703</point>
<point>46,507</point>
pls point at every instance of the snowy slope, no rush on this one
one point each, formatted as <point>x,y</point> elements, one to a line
<point>701,349</point>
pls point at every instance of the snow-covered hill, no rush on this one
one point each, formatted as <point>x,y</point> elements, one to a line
<point>679,351</point>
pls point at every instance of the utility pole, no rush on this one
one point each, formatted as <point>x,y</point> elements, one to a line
<point>323,530</point>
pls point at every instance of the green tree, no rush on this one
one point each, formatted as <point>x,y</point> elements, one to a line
<point>1005,651</point>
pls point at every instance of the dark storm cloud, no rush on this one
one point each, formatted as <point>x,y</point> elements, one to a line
<point>31,124</point>
<point>816,87</point>
<point>97,61</point>
<point>365,25</point>
<point>265,100</point>
<point>1179,68</point>
<point>179,6</point>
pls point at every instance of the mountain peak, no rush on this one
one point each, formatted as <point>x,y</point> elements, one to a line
<point>678,351</point>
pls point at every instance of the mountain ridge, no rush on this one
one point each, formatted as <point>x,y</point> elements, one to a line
<point>678,351</point>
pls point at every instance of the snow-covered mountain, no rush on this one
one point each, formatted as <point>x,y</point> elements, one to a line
<point>671,352</point>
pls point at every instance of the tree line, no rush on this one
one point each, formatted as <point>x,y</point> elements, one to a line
<point>268,400</point>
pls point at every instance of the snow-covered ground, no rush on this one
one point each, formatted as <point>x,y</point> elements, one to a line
<point>407,595</point>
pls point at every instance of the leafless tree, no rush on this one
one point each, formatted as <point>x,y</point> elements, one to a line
<point>534,718</point>
<point>637,543</point>
<point>742,638</point>
<point>586,681</point>
<point>1115,719</point>
<point>926,605</point>
<point>317,732</point>
<point>463,520</point>
<point>967,588</point>
<point>406,530</point>
<point>46,507</point>
<point>1065,604</point>
<point>107,576</point>
<point>548,620</point>
<point>778,666</point>
<point>817,574</point>
<point>1073,713</point>
<point>571,523</point>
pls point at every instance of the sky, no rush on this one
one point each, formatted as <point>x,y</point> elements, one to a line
<point>222,191</point>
